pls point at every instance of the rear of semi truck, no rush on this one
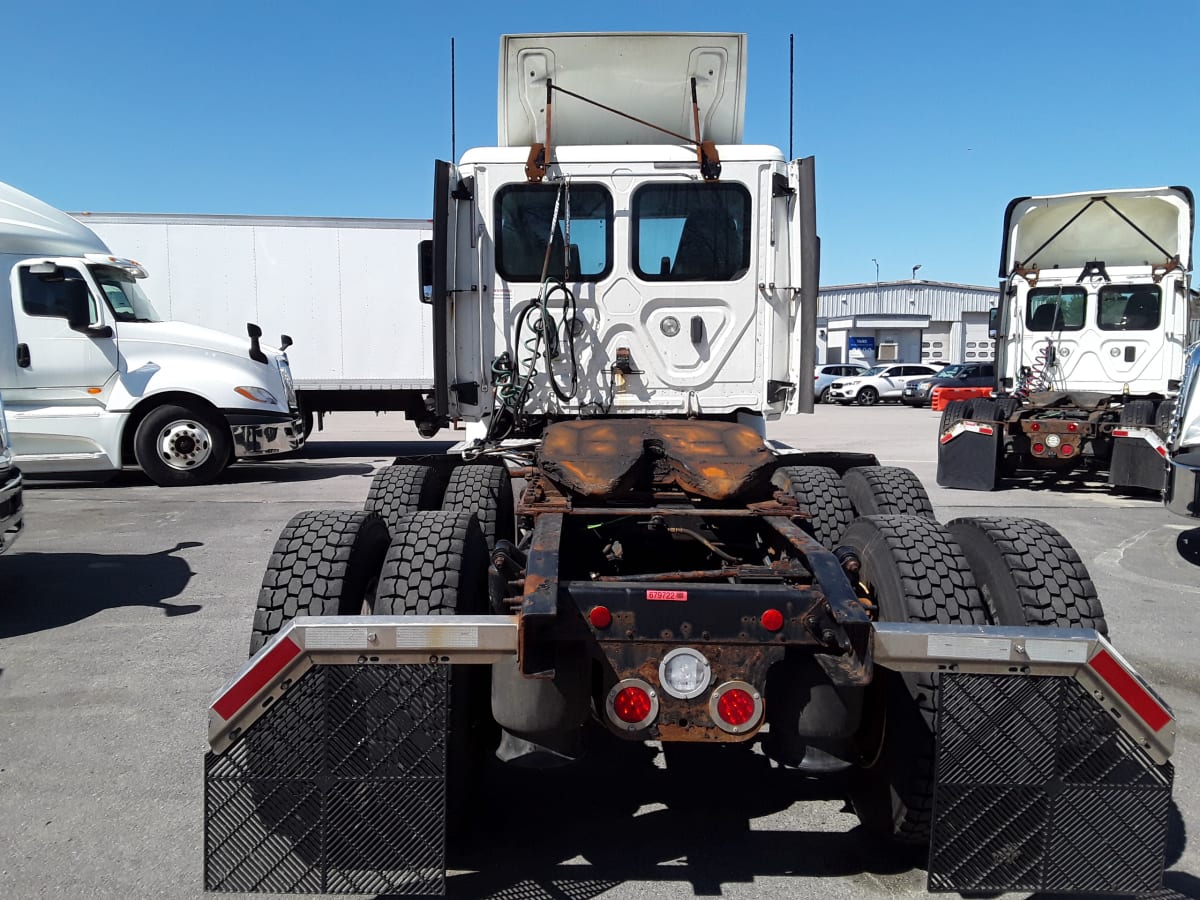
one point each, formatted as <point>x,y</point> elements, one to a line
<point>618,321</point>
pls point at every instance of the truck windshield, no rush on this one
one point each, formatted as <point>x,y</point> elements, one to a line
<point>124,296</point>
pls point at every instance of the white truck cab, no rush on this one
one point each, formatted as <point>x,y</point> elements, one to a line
<point>593,265</point>
<point>1096,292</point>
<point>95,379</point>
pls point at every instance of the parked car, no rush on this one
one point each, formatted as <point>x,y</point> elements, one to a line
<point>919,393</point>
<point>886,382</point>
<point>829,373</point>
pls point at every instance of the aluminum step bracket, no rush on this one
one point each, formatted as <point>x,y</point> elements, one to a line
<point>1082,654</point>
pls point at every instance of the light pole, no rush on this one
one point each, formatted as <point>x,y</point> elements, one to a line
<point>874,260</point>
<point>917,266</point>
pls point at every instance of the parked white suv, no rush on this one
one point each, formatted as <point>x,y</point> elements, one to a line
<point>880,383</point>
<point>827,374</point>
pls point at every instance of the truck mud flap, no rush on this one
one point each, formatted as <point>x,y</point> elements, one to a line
<point>1039,789</point>
<point>338,787</point>
<point>1137,460</point>
<point>969,456</point>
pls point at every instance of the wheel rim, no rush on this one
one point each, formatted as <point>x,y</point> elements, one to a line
<point>866,396</point>
<point>184,444</point>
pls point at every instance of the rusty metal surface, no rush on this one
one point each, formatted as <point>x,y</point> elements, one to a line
<point>539,603</point>
<point>605,458</point>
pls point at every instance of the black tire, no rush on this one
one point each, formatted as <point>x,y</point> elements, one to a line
<point>824,395</point>
<point>1163,416</point>
<point>886,491</point>
<point>1138,412</point>
<point>822,494</point>
<point>397,491</point>
<point>179,447</point>
<point>867,396</point>
<point>952,413</point>
<point>486,491</point>
<point>437,566</point>
<point>914,572</point>
<point>1028,573</point>
<point>325,563</point>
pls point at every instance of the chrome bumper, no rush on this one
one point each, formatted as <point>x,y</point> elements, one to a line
<point>1182,493</point>
<point>268,438</point>
<point>12,508</point>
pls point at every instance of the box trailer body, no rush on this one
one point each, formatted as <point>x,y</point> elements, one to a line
<point>97,379</point>
<point>1095,317</point>
<point>345,290</point>
<point>619,311</point>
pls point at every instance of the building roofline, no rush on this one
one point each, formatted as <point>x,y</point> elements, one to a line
<point>908,282</point>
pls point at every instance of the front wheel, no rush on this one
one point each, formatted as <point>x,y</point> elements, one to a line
<point>867,396</point>
<point>177,446</point>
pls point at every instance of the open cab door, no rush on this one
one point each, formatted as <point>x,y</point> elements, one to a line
<point>804,252</point>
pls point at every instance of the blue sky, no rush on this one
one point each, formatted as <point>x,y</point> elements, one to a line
<point>926,118</point>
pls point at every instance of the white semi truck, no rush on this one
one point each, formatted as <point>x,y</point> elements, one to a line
<point>1095,317</point>
<point>94,379</point>
<point>620,306</point>
<point>345,289</point>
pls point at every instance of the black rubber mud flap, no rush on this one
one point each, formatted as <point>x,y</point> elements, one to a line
<point>968,455</point>
<point>339,788</point>
<point>1038,789</point>
<point>1135,463</point>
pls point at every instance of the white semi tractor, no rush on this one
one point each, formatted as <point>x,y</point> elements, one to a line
<point>345,289</point>
<point>1095,317</point>
<point>620,306</point>
<point>94,378</point>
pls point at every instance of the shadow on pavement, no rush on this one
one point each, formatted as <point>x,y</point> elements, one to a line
<point>538,823</point>
<point>375,449</point>
<point>1188,545</point>
<point>49,590</point>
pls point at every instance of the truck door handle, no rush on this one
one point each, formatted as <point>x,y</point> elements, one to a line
<point>23,355</point>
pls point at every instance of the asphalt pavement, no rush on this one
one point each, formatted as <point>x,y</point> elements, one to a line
<point>125,606</point>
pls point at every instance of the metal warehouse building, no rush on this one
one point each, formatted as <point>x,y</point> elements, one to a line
<point>904,321</point>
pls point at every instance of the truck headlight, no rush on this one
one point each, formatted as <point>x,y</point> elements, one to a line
<point>257,394</point>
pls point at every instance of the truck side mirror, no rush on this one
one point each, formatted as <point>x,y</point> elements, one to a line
<point>994,322</point>
<point>425,269</point>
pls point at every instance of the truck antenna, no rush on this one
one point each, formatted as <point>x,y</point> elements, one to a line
<point>453,135</point>
<point>791,88</point>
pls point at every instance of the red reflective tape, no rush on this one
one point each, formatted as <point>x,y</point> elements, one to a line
<point>256,679</point>
<point>1120,434</point>
<point>1128,689</point>
<point>1162,451</point>
<point>673,596</point>
<point>947,437</point>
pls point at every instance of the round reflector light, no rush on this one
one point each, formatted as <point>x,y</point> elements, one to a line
<point>600,617</point>
<point>736,706</point>
<point>684,673</point>
<point>1034,426</point>
<point>1066,450</point>
<point>632,704</point>
<point>1039,448</point>
<point>1072,427</point>
<point>772,620</point>
<point>1053,440</point>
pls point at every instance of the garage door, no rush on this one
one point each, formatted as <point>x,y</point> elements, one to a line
<point>977,346</point>
<point>935,343</point>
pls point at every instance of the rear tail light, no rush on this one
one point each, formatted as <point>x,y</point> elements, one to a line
<point>632,704</point>
<point>1066,450</point>
<point>736,707</point>
<point>684,673</point>
<point>1034,426</point>
<point>1072,427</point>
<point>1039,448</point>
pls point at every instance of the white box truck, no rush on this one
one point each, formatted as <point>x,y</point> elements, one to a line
<point>345,289</point>
<point>95,378</point>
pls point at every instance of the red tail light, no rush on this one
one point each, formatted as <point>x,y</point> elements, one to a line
<point>1039,448</point>
<point>772,619</point>
<point>1072,427</point>
<point>600,617</point>
<point>736,706</point>
<point>632,704</point>
<point>1034,426</point>
<point>1066,450</point>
